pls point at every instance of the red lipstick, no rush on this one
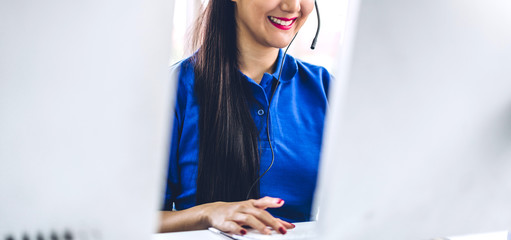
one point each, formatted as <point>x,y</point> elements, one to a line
<point>282,23</point>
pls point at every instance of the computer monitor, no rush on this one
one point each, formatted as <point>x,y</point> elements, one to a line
<point>85,104</point>
<point>418,137</point>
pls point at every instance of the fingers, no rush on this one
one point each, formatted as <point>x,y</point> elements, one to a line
<point>286,224</point>
<point>253,222</point>
<point>230,217</point>
<point>232,227</point>
<point>268,202</point>
<point>267,219</point>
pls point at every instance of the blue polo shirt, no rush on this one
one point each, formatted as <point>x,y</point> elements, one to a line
<point>297,114</point>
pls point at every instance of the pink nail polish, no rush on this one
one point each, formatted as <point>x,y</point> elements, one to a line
<point>293,225</point>
<point>243,231</point>
<point>282,230</point>
<point>280,201</point>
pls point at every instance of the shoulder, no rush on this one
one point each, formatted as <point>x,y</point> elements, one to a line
<point>182,73</point>
<point>183,77</point>
<point>310,72</point>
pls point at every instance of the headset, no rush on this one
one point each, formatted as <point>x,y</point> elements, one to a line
<point>313,46</point>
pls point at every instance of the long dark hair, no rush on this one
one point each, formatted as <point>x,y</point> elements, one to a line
<point>228,141</point>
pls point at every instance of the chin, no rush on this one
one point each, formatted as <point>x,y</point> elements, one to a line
<point>280,44</point>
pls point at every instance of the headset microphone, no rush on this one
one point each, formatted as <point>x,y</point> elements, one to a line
<point>313,45</point>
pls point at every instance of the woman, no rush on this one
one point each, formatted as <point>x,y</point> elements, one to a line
<point>245,110</point>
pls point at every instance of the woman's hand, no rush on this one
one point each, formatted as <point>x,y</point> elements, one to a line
<point>231,217</point>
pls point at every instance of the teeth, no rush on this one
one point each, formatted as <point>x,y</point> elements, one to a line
<point>280,22</point>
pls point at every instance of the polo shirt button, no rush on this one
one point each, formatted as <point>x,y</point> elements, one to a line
<point>260,112</point>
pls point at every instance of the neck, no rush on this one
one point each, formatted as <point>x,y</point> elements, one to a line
<point>255,60</point>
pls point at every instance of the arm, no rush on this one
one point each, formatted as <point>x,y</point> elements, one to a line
<point>229,217</point>
<point>184,220</point>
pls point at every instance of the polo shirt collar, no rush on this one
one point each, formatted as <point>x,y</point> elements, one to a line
<point>289,70</point>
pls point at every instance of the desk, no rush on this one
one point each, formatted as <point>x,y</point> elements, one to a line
<point>207,235</point>
<point>203,234</point>
<point>191,235</point>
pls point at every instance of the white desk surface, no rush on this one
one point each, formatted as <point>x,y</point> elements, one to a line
<point>207,235</point>
<point>200,234</point>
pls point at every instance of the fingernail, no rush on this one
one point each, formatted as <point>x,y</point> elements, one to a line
<point>243,231</point>
<point>282,230</point>
<point>293,225</point>
<point>280,201</point>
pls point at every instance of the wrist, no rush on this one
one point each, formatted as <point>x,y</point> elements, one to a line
<point>203,215</point>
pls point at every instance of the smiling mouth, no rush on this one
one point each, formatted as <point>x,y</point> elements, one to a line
<point>282,23</point>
